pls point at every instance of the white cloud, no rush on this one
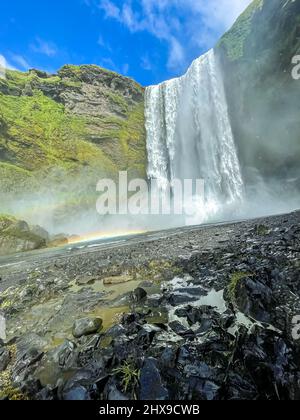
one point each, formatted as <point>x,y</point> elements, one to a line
<point>20,61</point>
<point>176,54</point>
<point>125,69</point>
<point>146,62</point>
<point>44,47</point>
<point>182,24</point>
<point>111,10</point>
<point>103,44</point>
<point>5,65</point>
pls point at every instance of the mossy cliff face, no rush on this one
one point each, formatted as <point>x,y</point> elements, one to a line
<point>83,121</point>
<point>17,236</point>
<point>256,55</point>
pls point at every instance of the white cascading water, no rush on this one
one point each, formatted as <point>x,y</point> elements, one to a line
<point>189,136</point>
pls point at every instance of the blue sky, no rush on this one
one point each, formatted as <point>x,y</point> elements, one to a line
<point>148,40</point>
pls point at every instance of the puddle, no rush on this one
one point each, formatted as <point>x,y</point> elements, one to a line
<point>216,300</point>
<point>113,290</point>
<point>53,320</point>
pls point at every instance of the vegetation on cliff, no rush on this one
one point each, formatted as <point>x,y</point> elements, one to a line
<point>83,118</point>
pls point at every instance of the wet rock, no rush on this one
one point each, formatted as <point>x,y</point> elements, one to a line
<point>168,357</point>
<point>30,350</point>
<point>206,316</point>
<point>46,394</point>
<point>78,393</point>
<point>179,329</point>
<point>63,355</point>
<point>139,294</point>
<point>86,326</point>
<point>113,394</point>
<point>204,390</point>
<point>177,299</point>
<point>155,301</point>
<point>131,318</point>
<point>79,387</point>
<point>115,331</point>
<point>4,358</point>
<point>146,335</point>
<point>238,388</point>
<point>151,386</point>
<point>254,299</point>
<point>227,320</point>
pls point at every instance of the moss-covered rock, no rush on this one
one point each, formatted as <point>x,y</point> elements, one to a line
<point>17,236</point>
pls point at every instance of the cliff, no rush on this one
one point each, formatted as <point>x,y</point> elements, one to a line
<point>256,56</point>
<point>81,120</point>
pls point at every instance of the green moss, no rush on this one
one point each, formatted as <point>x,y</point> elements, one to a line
<point>7,388</point>
<point>236,278</point>
<point>38,132</point>
<point>14,178</point>
<point>6,221</point>
<point>234,40</point>
<point>262,230</point>
<point>118,100</point>
<point>15,232</point>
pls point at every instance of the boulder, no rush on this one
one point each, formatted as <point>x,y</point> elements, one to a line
<point>87,326</point>
<point>58,240</point>
<point>139,294</point>
<point>151,386</point>
<point>17,236</point>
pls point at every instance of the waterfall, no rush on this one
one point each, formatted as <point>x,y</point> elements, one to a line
<point>189,135</point>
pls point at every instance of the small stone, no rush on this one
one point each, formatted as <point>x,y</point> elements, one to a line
<point>87,326</point>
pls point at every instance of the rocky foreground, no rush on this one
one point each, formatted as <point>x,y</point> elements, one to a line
<point>204,313</point>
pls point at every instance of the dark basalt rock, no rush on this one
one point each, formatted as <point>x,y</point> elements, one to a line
<point>4,358</point>
<point>64,355</point>
<point>139,294</point>
<point>78,393</point>
<point>115,331</point>
<point>30,350</point>
<point>179,329</point>
<point>113,394</point>
<point>177,299</point>
<point>151,386</point>
<point>255,299</point>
